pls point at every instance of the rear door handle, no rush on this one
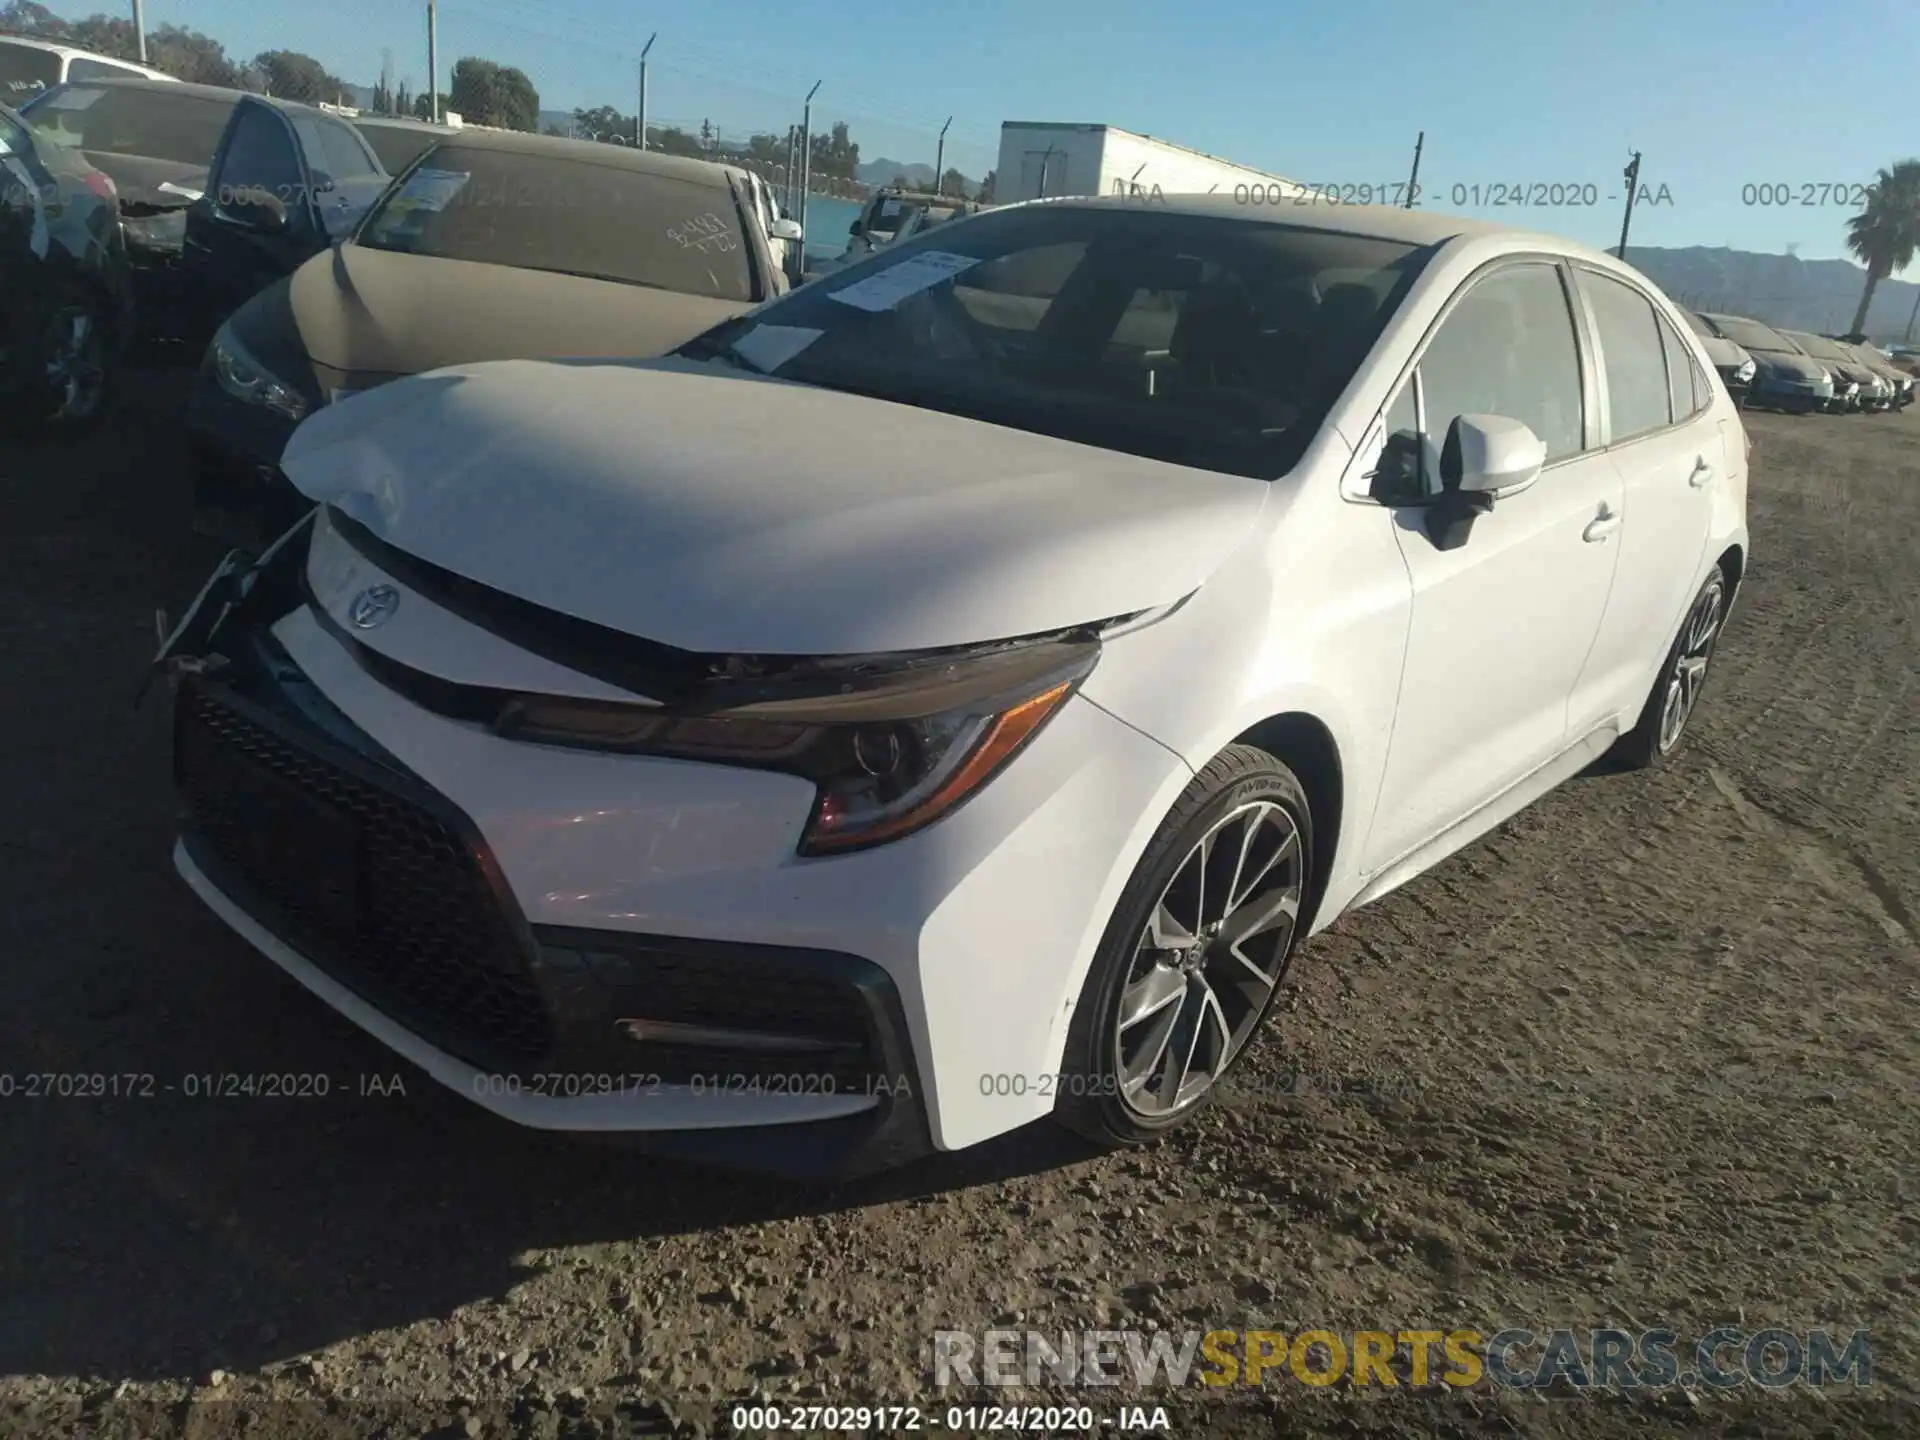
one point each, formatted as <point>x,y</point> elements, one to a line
<point>1702,473</point>
<point>1601,526</point>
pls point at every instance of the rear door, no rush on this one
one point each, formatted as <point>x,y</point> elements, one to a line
<point>1656,410</point>
<point>231,253</point>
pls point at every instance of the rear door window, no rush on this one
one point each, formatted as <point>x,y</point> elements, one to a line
<point>1633,359</point>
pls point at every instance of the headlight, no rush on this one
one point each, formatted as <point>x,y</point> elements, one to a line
<point>1745,372</point>
<point>886,760</point>
<point>245,378</point>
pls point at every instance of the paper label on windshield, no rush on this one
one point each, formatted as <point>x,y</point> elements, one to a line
<point>768,347</point>
<point>429,190</point>
<point>903,281</point>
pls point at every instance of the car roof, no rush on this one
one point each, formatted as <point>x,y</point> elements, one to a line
<point>560,147</point>
<point>188,87</point>
<point>1381,222</point>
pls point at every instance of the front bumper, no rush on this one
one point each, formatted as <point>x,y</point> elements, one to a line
<point>620,886</point>
<point>1802,396</point>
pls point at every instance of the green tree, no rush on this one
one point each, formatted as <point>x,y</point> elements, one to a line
<point>603,123</point>
<point>672,140</point>
<point>953,183</point>
<point>485,93</point>
<point>24,17</point>
<point>189,55</point>
<point>985,197</point>
<point>1886,233</point>
<point>834,155</point>
<point>291,75</point>
<point>423,105</point>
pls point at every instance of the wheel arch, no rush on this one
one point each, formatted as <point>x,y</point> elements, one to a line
<point>1305,745</point>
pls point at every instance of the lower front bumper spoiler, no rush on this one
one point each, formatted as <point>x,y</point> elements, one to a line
<point>811,1136</point>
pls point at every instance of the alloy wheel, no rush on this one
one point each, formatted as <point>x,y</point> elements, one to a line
<point>1689,672</point>
<point>1205,965</point>
<point>75,364</point>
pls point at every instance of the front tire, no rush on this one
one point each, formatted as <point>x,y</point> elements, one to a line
<point>65,355</point>
<point>1195,952</point>
<point>1676,693</point>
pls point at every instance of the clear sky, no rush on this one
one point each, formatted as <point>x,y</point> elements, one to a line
<point>1720,95</point>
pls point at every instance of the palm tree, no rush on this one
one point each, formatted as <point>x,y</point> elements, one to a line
<point>1886,233</point>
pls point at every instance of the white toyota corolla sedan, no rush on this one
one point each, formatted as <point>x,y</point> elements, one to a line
<point>949,695</point>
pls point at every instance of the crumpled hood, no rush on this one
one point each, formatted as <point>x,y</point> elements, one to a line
<point>704,508</point>
<point>376,310</point>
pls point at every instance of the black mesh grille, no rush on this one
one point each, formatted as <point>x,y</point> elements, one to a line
<point>371,886</point>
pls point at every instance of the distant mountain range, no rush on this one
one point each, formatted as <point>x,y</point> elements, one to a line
<point>1782,290</point>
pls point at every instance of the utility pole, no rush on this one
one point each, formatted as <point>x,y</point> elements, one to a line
<point>806,167</point>
<point>787,178</point>
<point>140,30</point>
<point>640,120</point>
<point>433,63</point>
<point>1632,172</point>
<point>1413,180</point>
<point>940,157</point>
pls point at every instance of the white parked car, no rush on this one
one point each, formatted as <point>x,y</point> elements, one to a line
<point>949,695</point>
<point>28,66</point>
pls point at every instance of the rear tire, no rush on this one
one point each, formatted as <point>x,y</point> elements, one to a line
<point>1197,949</point>
<point>1662,727</point>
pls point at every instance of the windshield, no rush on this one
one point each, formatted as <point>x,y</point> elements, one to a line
<point>573,217</point>
<point>1752,335</point>
<point>397,145</point>
<point>1700,327</point>
<point>1212,342</point>
<point>25,72</point>
<point>160,123</point>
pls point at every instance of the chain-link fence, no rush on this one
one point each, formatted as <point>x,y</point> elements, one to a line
<point>544,68</point>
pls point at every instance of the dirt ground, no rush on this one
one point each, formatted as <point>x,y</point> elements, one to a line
<point>1644,1057</point>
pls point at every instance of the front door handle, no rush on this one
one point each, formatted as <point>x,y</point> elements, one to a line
<point>1702,473</point>
<point>1601,526</point>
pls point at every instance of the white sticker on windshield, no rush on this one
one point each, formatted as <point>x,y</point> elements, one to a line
<point>768,347</point>
<point>429,190</point>
<point>70,100</point>
<point>900,282</point>
<point>167,187</point>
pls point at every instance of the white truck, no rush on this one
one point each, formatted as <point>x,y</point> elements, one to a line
<point>1039,160</point>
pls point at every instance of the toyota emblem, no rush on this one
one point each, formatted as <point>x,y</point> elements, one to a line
<point>373,607</point>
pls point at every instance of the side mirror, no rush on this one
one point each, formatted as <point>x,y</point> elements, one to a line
<point>1485,457</point>
<point>257,208</point>
<point>786,229</point>
<point>855,229</point>
<point>1491,455</point>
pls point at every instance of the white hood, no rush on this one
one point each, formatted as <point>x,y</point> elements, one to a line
<point>704,508</point>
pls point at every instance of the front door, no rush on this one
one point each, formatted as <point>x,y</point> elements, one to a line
<point>1501,625</point>
<point>229,255</point>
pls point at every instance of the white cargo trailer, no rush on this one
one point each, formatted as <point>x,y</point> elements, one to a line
<point>1038,159</point>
